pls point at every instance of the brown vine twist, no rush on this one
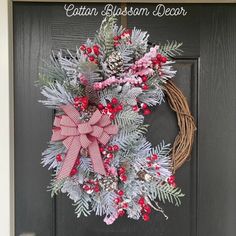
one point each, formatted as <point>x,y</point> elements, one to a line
<point>184,140</point>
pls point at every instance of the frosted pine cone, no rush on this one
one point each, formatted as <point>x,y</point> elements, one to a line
<point>115,63</point>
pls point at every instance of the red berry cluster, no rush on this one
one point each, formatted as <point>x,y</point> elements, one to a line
<point>122,174</point>
<point>108,153</point>
<point>111,109</point>
<point>74,170</point>
<point>143,83</point>
<point>91,186</point>
<point>158,61</point>
<point>125,35</point>
<point>151,163</point>
<point>92,52</point>
<point>81,103</point>
<point>171,181</point>
<point>122,206</point>
<point>143,107</point>
<point>146,209</point>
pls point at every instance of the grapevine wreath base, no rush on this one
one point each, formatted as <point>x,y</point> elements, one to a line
<point>98,150</point>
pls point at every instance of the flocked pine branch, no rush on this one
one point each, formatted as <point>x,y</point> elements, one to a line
<point>139,41</point>
<point>56,95</point>
<point>171,49</point>
<point>105,34</point>
<point>82,205</point>
<point>165,192</point>
<point>55,186</point>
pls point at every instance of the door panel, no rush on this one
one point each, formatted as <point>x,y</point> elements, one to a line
<point>206,75</point>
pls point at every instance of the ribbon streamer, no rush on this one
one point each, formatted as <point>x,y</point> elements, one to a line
<point>76,134</point>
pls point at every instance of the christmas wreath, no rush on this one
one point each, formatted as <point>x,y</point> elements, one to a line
<point>98,150</point>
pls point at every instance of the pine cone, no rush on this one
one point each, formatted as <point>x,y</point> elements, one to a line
<point>115,63</point>
<point>109,183</point>
<point>143,175</point>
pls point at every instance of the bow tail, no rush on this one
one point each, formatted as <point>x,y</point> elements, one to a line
<point>70,158</point>
<point>96,158</point>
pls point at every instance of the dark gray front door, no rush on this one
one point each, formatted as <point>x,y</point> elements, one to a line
<point>206,75</point>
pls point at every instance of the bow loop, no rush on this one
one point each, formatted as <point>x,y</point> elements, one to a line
<point>66,121</point>
<point>95,117</point>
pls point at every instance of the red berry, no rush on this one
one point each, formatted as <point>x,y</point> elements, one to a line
<point>155,61</point>
<point>171,179</point>
<point>157,167</point>
<point>73,172</point>
<point>146,217</point>
<point>109,148</point>
<point>146,112</point>
<point>114,101</point>
<point>141,201</point>
<point>144,78</point>
<point>135,108</point>
<point>89,50</point>
<point>116,38</point>
<point>104,111</point>
<point>91,58</point>
<point>144,105</point>
<point>109,105</point>
<point>59,157</point>
<point>83,47</point>
<point>145,87</point>
<point>147,209</point>
<point>112,116</point>
<point>77,162</point>
<point>120,192</point>
<point>96,47</point>
<point>121,170</point>
<point>121,212</point>
<point>123,178</point>
<point>110,155</point>
<point>86,187</point>
<point>84,100</point>
<point>116,148</point>
<point>112,110</point>
<point>96,189</point>
<point>154,157</point>
<point>163,59</point>
<point>96,50</point>
<point>149,164</point>
<point>119,107</point>
<point>100,106</point>
<point>76,99</point>
<point>101,149</point>
<point>159,57</point>
<point>107,162</point>
<point>117,200</point>
<point>148,158</point>
<point>125,205</point>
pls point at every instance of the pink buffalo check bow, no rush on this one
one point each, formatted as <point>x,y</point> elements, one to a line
<point>76,134</point>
